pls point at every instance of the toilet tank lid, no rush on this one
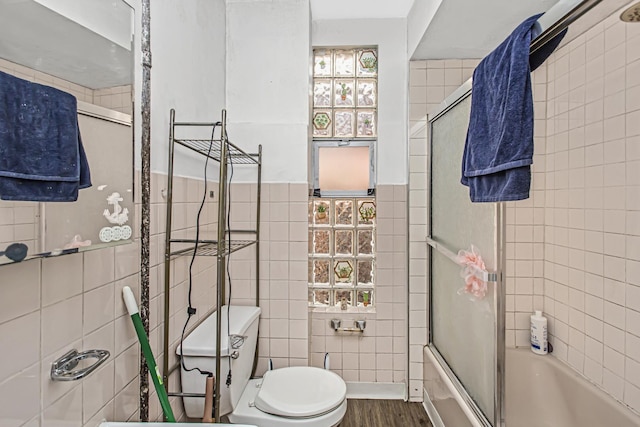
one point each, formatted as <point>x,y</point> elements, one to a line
<point>202,341</point>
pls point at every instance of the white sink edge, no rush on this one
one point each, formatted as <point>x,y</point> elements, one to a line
<point>138,424</point>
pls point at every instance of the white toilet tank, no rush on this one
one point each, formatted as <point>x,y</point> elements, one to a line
<point>199,350</point>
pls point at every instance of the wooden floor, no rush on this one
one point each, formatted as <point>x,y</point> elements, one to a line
<point>384,413</point>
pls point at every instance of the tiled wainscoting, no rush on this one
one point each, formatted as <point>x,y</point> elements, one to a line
<point>284,329</point>
<point>379,355</point>
<point>52,305</point>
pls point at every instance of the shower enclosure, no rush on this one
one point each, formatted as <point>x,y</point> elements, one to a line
<point>466,335</point>
<point>465,357</point>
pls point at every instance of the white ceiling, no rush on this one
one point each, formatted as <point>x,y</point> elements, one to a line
<point>472,29</point>
<point>359,9</point>
<point>65,48</point>
<point>459,28</point>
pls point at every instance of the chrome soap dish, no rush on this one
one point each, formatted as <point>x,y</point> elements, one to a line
<point>64,369</point>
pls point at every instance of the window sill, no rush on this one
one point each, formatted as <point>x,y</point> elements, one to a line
<point>337,310</point>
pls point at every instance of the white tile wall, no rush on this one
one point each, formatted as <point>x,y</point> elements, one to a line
<point>187,196</point>
<point>430,83</point>
<point>572,248</point>
<point>51,305</point>
<point>525,234</point>
<point>115,98</point>
<point>591,248</point>
<point>52,313</point>
<point>284,330</point>
<point>80,92</point>
<point>380,353</point>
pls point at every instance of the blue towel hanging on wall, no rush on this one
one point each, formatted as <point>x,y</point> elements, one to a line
<point>498,152</point>
<point>41,152</point>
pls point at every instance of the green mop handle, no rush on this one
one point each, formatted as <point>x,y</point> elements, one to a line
<point>132,307</point>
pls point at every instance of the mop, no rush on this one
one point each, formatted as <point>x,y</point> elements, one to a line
<point>132,307</point>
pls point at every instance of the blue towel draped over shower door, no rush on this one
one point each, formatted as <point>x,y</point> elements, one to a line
<point>498,152</point>
<point>41,152</point>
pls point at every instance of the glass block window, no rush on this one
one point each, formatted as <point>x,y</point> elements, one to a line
<point>342,247</point>
<point>345,93</point>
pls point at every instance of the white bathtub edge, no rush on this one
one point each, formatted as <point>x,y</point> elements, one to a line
<point>541,379</point>
<point>445,378</point>
<point>432,412</point>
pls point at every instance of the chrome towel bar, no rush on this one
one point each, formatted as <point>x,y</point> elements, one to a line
<point>487,276</point>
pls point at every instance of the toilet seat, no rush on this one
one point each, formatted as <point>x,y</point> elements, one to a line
<point>300,392</point>
<point>246,412</point>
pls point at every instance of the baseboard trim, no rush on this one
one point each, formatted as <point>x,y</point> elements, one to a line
<point>360,390</point>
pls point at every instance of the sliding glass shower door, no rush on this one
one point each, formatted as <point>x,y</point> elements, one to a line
<point>464,327</point>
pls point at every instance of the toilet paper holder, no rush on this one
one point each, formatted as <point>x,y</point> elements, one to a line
<point>359,326</point>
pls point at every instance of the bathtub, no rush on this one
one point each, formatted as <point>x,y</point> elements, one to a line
<point>541,391</point>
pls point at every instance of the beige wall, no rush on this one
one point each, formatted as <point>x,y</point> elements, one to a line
<point>187,196</point>
<point>379,355</point>
<point>283,270</point>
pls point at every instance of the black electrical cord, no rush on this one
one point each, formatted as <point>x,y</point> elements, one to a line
<point>190,309</point>
<point>227,266</point>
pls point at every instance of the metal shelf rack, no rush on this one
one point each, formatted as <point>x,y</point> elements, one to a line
<point>225,153</point>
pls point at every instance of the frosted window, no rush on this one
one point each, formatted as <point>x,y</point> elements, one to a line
<point>320,272</point>
<point>344,242</point>
<point>344,123</point>
<point>320,297</point>
<point>342,252</point>
<point>345,93</point>
<point>365,272</point>
<point>322,93</point>
<point>345,64</point>
<point>322,62</point>
<point>366,123</point>
<point>322,123</point>
<point>321,242</point>
<point>365,242</point>
<point>367,62</point>
<point>367,93</point>
<point>344,168</point>
<point>342,222</point>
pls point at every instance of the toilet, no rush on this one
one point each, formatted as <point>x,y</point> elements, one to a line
<point>285,397</point>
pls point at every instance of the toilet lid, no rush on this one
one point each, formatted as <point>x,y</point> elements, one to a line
<point>299,392</point>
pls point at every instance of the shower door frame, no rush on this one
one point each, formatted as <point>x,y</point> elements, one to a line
<point>499,294</point>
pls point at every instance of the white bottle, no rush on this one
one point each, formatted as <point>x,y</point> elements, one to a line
<point>539,333</point>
